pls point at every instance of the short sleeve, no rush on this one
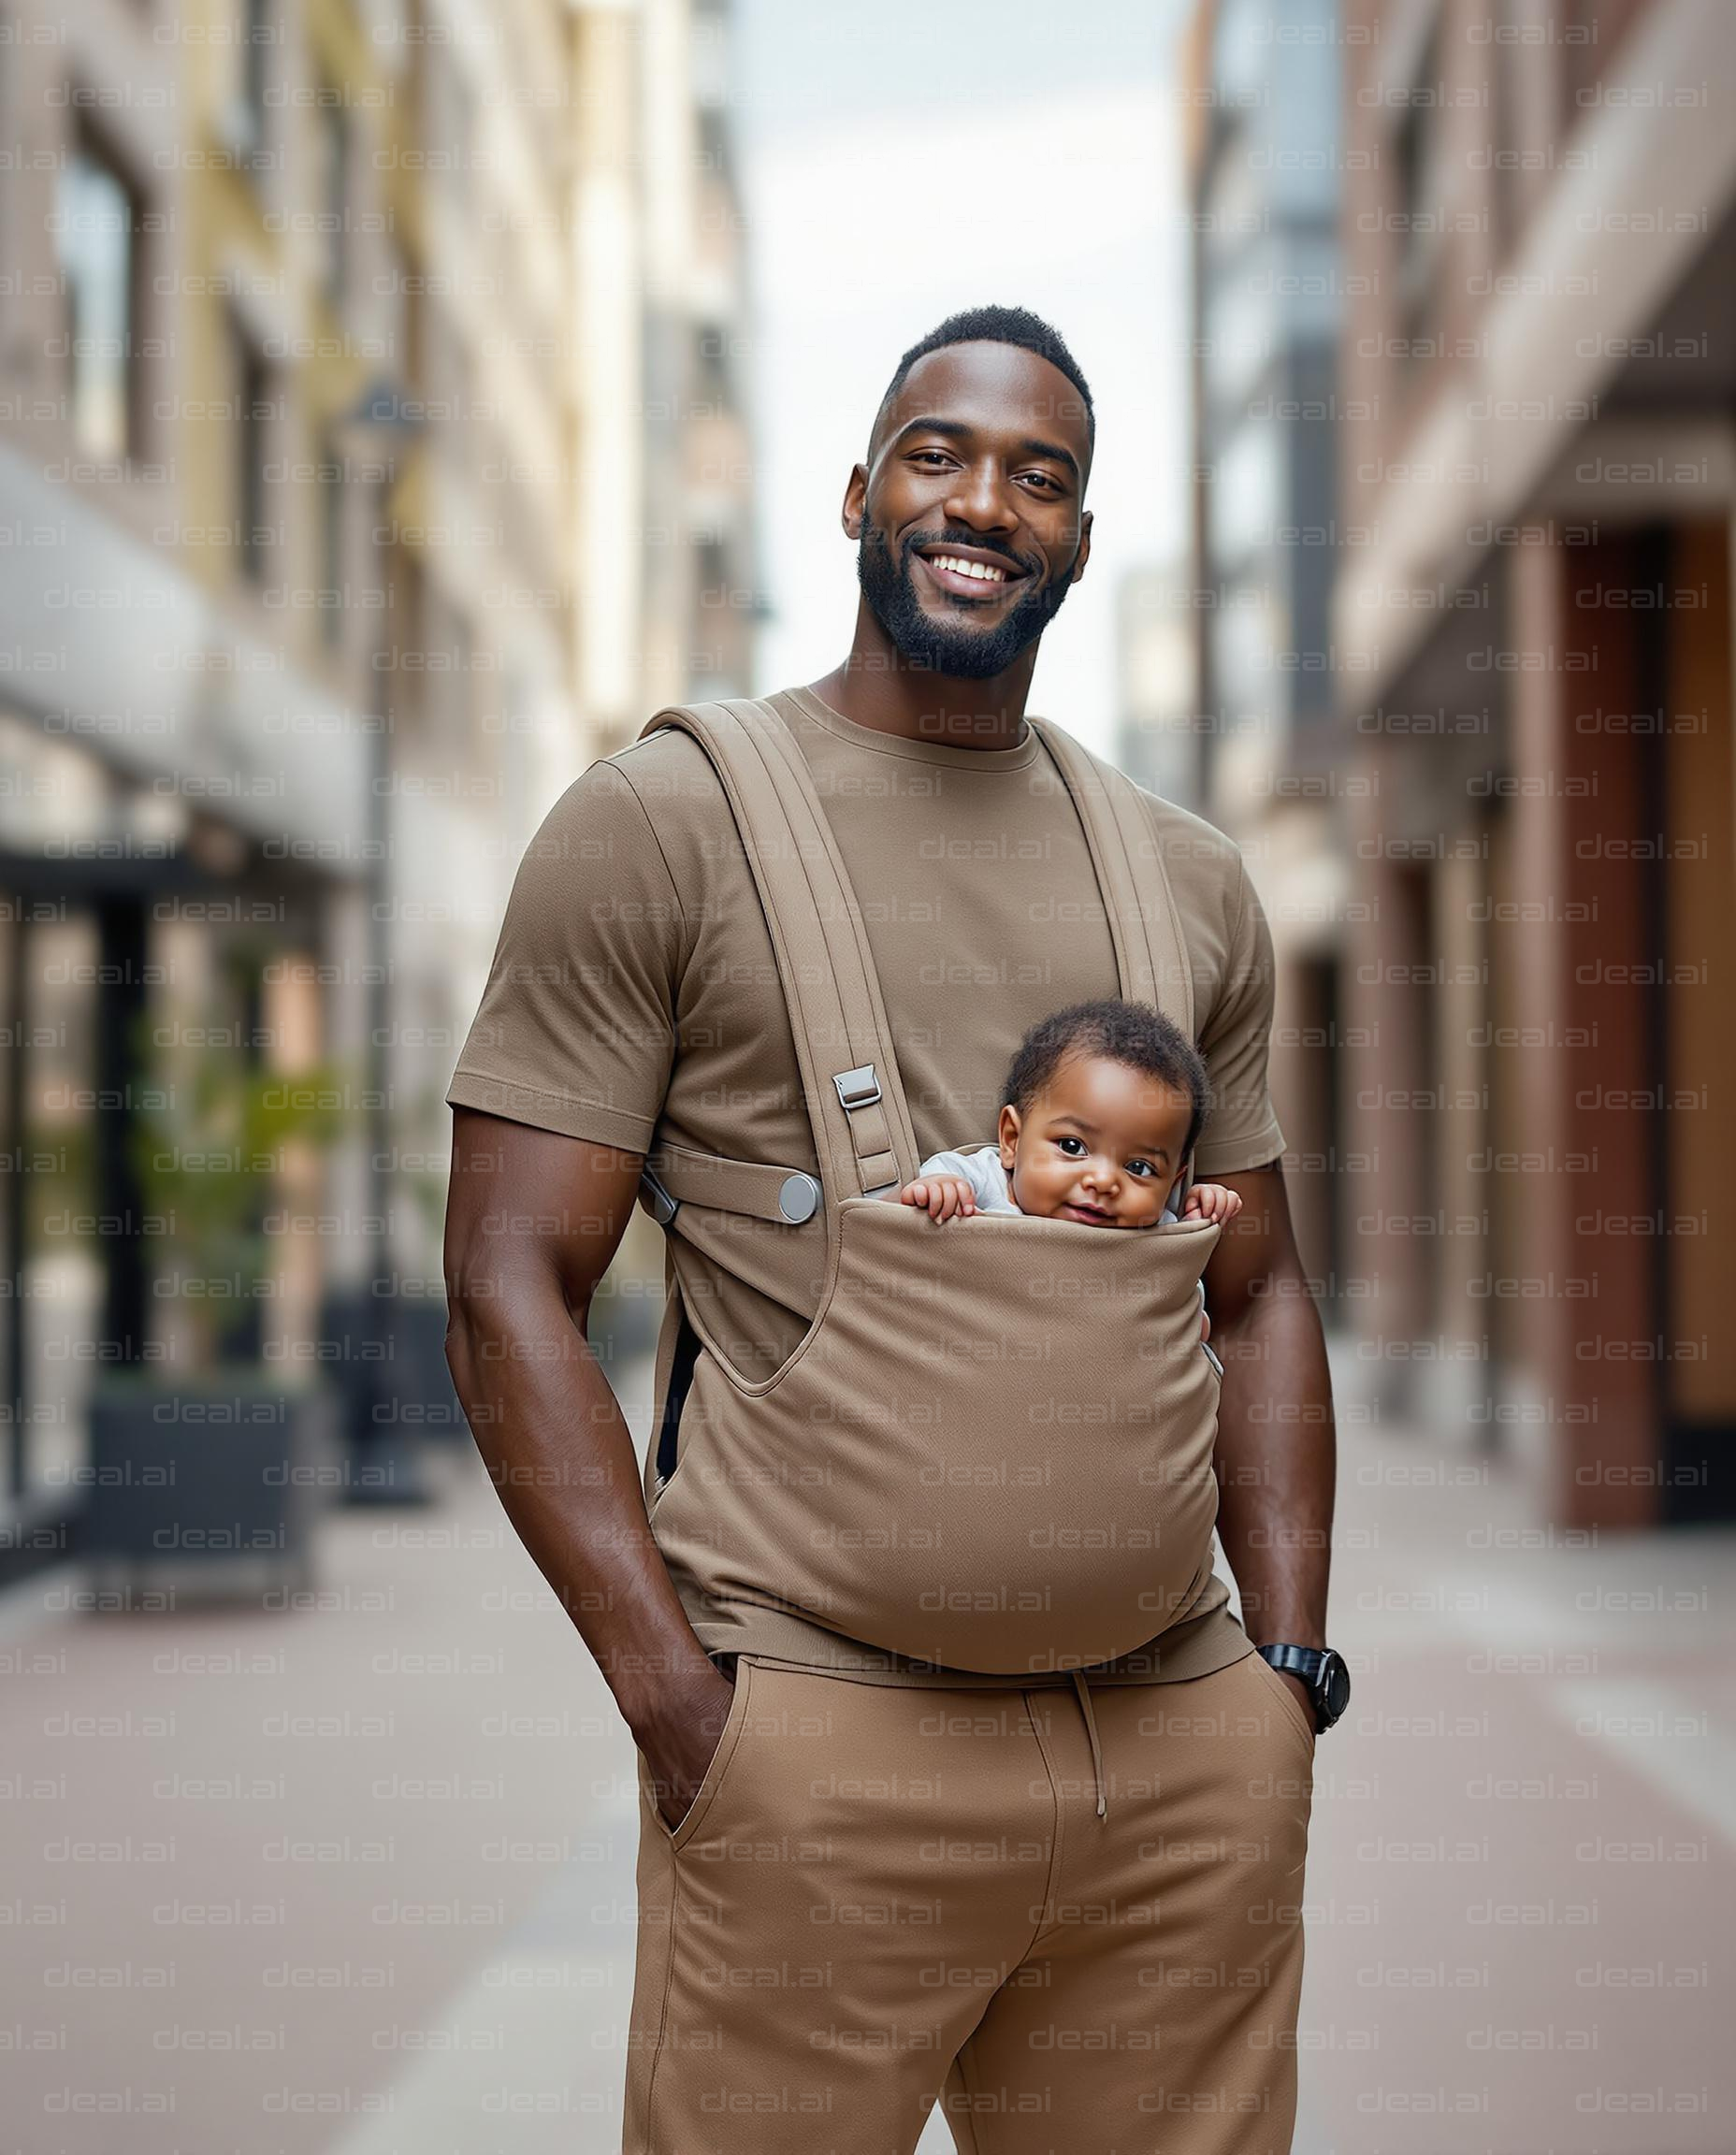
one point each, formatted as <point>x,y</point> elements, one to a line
<point>1241,1131</point>
<point>576,1031</point>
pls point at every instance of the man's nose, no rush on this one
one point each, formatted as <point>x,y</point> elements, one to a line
<point>978,498</point>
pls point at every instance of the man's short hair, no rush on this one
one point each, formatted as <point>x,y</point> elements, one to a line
<point>995,326</point>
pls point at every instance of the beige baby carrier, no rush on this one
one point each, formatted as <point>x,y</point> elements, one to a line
<point>991,1451</point>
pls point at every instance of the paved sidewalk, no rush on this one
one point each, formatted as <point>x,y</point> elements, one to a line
<point>356,1878</point>
<point>358,1873</point>
<point>1524,1851</point>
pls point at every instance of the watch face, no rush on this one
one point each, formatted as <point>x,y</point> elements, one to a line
<point>1334,1684</point>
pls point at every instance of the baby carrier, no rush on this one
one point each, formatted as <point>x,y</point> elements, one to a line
<point>992,1448</point>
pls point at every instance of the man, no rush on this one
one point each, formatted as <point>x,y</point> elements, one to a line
<point>890,1880</point>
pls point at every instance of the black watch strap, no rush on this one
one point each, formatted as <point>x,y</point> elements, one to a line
<point>1321,1670</point>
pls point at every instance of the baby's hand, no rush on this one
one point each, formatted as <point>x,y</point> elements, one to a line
<point>942,1196</point>
<point>1211,1201</point>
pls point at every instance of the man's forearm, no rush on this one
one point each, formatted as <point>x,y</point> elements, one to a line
<point>1276,1462</point>
<point>562,1460</point>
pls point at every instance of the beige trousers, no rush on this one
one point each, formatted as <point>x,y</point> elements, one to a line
<point>1070,1917</point>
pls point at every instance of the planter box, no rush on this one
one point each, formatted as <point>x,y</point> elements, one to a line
<point>221,1472</point>
<point>421,1401</point>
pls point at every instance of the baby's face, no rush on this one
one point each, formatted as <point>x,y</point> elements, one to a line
<point>1103,1145</point>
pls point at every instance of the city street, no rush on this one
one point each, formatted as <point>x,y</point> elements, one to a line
<point>532,632</point>
<point>356,1878</point>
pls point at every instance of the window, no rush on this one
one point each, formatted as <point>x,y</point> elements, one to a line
<point>394,318</point>
<point>251,438</point>
<point>1420,194</point>
<point>456,136</point>
<point>714,151</point>
<point>97,226</point>
<point>710,372</point>
<point>331,547</point>
<point>714,573</point>
<point>333,171</point>
<point>1504,192</point>
<point>257,36</point>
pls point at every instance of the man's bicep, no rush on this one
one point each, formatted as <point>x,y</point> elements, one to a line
<point>527,1204</point>
<point>1256,1253</point>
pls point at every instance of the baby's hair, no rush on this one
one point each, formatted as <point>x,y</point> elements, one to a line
<point>1134,1034</point>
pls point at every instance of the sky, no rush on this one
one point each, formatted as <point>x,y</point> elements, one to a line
<point>898,163</point>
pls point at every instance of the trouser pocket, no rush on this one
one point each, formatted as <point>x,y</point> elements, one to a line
<point>705,1795</point>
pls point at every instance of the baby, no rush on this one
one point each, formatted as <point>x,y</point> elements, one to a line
<point>1104,1101</point>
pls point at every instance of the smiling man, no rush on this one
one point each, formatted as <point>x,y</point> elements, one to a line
<point>1065,1903</point>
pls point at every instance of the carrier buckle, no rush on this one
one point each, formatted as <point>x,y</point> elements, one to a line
<point>857,1088</point>
<point>663,1206</point>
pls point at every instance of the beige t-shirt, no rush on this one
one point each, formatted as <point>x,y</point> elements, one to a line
<point>634,999</point>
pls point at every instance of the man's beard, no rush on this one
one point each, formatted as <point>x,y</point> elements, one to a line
<point>961,646</point>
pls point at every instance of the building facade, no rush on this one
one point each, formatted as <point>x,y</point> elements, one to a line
<point>1259,85</point>
<point>1533,639</point>
<point>321,367</point>
<point>669,612</point>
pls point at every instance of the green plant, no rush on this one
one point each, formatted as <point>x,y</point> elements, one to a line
<point>206,1148</point>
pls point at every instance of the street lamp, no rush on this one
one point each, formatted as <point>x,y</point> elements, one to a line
<point>379,427</point>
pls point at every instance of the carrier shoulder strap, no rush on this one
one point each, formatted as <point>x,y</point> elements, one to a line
<point>1150,952</point>
<point>862,1134</point>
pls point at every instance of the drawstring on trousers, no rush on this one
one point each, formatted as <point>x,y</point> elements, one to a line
<point>1091,1730</point>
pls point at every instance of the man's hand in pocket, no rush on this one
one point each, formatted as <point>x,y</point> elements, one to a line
<point>680,1740</point>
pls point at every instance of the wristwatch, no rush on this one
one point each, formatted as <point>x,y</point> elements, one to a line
<point>1321,1670</point>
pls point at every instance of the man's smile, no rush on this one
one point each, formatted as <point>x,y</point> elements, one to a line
<point>963,572</point>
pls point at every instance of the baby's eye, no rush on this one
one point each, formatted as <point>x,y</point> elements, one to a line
<point>1064,1142</point>
<point>1140,1167</point>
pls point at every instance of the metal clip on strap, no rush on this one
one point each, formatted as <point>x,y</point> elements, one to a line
<point>859,1088</point>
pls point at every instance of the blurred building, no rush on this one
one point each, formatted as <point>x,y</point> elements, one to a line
<point>363,474</point>
<point>1157,728</point>
<point>666,594</point>
<point>1533,641</point>
<point>666,597</point>
<point>1259,85</point>
<point>186,816</point>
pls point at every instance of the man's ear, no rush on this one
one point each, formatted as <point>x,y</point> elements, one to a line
<point>1078,567</point>
<point>855,503</point>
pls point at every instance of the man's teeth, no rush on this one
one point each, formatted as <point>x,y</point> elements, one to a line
<point>980,570</point>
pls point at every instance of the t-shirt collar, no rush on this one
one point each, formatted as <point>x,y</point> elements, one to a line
<point>872,741</point>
